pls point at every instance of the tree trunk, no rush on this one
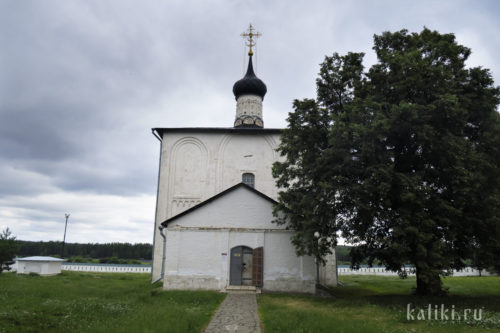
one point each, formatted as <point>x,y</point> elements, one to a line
<point>428,282</point>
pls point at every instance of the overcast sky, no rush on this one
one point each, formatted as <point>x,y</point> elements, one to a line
<point>83,82</point>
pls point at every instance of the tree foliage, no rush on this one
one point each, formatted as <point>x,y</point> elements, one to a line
<point>402,159</point>
<point>8,249</point>
<point>88,250</point>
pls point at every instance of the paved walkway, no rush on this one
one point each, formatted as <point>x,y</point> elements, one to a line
<point>238,313</point>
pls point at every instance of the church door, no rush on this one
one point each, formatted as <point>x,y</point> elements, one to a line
<point>246,266</point>
<point>240,272</point>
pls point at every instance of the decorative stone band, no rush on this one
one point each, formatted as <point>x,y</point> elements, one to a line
<point>249,121</point>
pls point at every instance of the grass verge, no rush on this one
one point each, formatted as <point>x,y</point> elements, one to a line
<point>100,302</point>
<point>379,304</point>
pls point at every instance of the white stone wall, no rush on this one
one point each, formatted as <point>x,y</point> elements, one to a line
<point>200,259</point>
<point>328,271</point>
<point>249,105</point>
<point>195,166</point>
<point>199,245</point>
<point>239,209</point>
<point>283,270</point>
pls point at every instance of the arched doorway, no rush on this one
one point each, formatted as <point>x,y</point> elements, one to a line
<point>246,266</point>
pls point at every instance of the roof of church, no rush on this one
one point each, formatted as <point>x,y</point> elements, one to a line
<point>246,130</point>
<point>218,195</point>
<point>250,84</point>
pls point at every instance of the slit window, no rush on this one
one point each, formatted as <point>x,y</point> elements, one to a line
<point>248,179</point>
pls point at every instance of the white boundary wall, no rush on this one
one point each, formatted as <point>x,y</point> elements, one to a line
<point>468,271</point>
<point>104,268</point>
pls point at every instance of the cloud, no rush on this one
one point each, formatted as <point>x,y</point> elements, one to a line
<point>94,218</point>
<point>82,84</point>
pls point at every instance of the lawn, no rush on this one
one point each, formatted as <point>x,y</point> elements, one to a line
<point>107,302</point>
<point>100,302</point>
<point>379,304</point>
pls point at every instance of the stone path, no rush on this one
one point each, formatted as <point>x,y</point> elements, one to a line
<point>238,313</point>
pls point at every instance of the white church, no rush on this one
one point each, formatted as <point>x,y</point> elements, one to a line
<point>214,210</point>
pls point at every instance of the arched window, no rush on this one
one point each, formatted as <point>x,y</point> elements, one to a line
<point>248,179</point>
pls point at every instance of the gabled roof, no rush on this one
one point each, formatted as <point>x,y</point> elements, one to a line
<point>215,197</point>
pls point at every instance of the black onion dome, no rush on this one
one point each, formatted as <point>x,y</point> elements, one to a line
<point>250,84</point>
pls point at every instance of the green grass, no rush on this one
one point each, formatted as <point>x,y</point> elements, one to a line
<point>379,304</point>
<point>100,302</point>
<point>105,302</point>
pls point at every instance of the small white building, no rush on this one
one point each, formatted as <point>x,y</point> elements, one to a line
<point>39,265</point>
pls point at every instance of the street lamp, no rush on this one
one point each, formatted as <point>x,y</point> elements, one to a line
<point>64,240</point>
<point>317,235</point>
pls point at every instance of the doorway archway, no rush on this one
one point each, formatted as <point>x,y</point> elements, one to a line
<point>246,266</point>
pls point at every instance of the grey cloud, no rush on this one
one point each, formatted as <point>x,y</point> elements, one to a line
<point>82,83</point>
<point>15,180</point>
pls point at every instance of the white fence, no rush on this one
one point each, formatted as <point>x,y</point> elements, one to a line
<point>468,271</point>
<point>342,270</point>
<point>106,268</point>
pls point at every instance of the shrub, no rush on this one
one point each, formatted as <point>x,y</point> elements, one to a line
<point>8,250</point>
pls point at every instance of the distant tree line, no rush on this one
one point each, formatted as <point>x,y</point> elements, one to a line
<point>90,250</point>
<point>343,254</point>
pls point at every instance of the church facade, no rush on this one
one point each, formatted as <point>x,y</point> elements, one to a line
<point>213,225</point>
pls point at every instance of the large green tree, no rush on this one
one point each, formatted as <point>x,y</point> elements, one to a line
<point>402,159</point>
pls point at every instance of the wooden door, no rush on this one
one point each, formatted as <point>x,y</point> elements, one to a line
<point>258,267</point>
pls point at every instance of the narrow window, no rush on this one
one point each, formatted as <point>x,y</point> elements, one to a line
<point>248,179</point>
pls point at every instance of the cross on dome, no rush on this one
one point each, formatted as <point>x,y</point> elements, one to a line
<point>249,36</point>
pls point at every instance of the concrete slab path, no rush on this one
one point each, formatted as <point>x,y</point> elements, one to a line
<point>237,313</point>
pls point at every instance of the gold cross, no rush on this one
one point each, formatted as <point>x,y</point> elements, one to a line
<point>249,36</point>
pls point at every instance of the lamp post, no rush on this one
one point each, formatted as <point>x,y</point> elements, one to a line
<point>317,235</point>
<point>64,240</point>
